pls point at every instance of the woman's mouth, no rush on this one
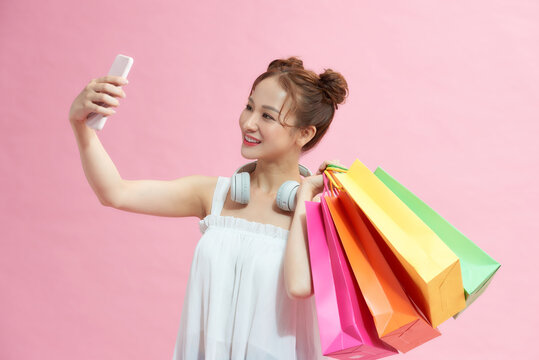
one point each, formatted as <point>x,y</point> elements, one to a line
<point>250,141</point>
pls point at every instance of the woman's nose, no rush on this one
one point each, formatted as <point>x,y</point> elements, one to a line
<point>250,121</point>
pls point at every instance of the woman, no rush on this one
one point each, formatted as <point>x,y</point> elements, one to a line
<point>249,293</point>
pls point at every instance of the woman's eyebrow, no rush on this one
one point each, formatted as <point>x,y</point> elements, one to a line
<point>265,106</point>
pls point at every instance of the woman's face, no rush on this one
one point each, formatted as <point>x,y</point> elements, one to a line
<point>259,121</point>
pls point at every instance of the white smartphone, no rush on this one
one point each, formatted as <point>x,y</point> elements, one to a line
<point>120,67</point>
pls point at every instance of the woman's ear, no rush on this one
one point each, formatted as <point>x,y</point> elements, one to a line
<point>306,134</point>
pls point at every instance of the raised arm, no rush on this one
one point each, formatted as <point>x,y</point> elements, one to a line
<point>186,196</point>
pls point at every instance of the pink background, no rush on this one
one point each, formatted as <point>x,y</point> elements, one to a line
<point>443,96</point>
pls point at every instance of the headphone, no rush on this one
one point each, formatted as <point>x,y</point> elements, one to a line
<point>240,187</point>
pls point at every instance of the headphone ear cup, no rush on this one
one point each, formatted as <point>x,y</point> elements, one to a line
<point>286,196</point>
<point>240,188</point>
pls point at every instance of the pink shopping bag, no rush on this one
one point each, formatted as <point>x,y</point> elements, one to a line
<point>346,326</point>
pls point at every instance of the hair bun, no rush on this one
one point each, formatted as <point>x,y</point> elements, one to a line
<point>334,86</point>
<point>283,64</point>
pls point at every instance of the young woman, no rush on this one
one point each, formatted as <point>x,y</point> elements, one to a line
<point>249,292</point>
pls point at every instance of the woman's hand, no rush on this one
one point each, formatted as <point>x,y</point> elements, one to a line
<point>314,185</point>
<point>95,96</point>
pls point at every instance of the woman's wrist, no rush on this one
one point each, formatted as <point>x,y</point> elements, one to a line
<point>305,192</point>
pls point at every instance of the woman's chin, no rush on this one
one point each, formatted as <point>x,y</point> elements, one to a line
<point>247,154</point>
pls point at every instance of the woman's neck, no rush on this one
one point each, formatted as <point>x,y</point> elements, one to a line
<point>269,176</point>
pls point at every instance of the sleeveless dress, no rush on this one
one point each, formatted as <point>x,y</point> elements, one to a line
<point>236,305</point>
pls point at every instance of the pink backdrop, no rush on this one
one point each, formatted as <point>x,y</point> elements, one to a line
<point>443,96</point>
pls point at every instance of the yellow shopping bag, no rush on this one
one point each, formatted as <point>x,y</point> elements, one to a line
<point>426,268</point>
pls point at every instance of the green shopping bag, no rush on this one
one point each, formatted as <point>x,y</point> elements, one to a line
<point>477,266</point>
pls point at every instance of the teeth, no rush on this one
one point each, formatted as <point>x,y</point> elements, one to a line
<point>251,141</point>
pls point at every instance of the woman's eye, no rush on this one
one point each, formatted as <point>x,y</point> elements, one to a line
<point>248,107</point>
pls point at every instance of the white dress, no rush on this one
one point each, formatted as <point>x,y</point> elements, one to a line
<point>235,305</point>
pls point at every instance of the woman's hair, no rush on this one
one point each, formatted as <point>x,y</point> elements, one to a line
<point>314,97</point>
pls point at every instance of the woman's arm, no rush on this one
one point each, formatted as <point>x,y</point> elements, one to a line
<point>179,197</point>
<point>98,167</point>
<point>185,196</point>
<point>297,267</point>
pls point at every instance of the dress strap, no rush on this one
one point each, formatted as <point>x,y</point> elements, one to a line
<point>219,195</point>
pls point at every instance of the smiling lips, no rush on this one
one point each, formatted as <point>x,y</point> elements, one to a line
<point>250,141</point>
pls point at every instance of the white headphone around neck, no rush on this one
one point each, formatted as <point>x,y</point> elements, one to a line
<point>240,187</point>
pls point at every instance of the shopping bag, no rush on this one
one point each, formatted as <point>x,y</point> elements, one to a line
<point>477,266</point>
<point>398,322</point>
<point>424,265</point>
<point>345,325</point>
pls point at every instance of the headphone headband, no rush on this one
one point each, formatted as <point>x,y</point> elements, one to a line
<point>303,170</point>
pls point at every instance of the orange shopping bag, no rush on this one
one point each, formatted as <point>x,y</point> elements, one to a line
<point>398,322</point>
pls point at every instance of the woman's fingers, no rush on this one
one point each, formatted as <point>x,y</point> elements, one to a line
<point>97,108</point>
<point>109,88</point>
<point>116,80</point>
<point>322,167</point>
<point>326,163</point>
<point>97,96</point>
<point>104,98</point>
